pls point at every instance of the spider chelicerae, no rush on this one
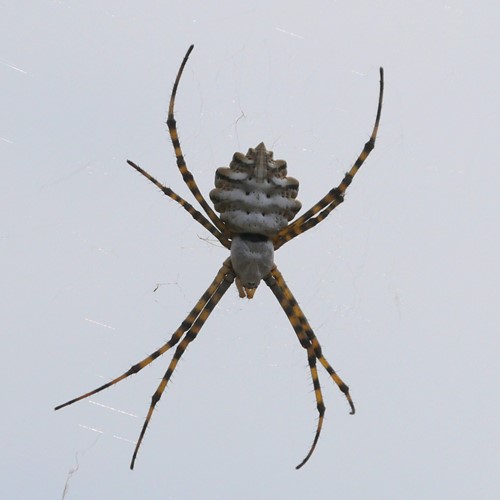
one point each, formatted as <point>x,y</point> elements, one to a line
<point>257,202</point>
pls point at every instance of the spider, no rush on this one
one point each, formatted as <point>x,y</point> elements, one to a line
<point>256,201</point>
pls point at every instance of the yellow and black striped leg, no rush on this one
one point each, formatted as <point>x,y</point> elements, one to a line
<point>309,341</point>
<point>181,163</point>
<point>185,326</point>
<point>191,334</point>
<point>336,195</point>
<point>288,307</point>
<point>312,337</point>
<point>197,216</point>
<point>305,226</point>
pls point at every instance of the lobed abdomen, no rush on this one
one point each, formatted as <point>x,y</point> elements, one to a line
<point>254,194</point>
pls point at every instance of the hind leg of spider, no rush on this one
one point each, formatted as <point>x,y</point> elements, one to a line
<point>181,348</point>
<point>336,195</point>
<point>179,155</point>
<point>287,306</point>
<point>177,335</point>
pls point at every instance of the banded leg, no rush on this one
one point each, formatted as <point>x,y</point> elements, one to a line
<point>197,216</point>
<point>336,195</point>
<point>191,334</point>
<point>302,328</point>
<point>311,359</point>
<point>186,325</point>
<point>181,163</point>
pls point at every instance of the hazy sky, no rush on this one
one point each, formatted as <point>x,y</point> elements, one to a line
<point>99,268</point>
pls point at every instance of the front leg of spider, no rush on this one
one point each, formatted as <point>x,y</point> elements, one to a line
<point>256,201</point>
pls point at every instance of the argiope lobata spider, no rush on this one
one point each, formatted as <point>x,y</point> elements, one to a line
<point>256,202</point>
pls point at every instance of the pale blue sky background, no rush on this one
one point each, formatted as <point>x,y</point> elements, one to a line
<point>400,285</point>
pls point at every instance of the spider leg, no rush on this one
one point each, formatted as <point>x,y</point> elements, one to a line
<point>311,358</point>
<point>305,226</point>
<point>297,311</point>
<point>199,217</point>
<point>191,333</point>
<point>181,163</point>
<point>336,195</point>
<point>309,341</point>
<point>185,326</point>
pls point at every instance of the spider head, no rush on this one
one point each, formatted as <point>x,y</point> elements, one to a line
<point>252,258</point>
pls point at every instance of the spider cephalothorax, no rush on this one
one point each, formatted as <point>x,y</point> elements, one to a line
<point>256,201</point>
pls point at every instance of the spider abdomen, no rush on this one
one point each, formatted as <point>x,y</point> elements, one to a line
<point>254,194</point>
